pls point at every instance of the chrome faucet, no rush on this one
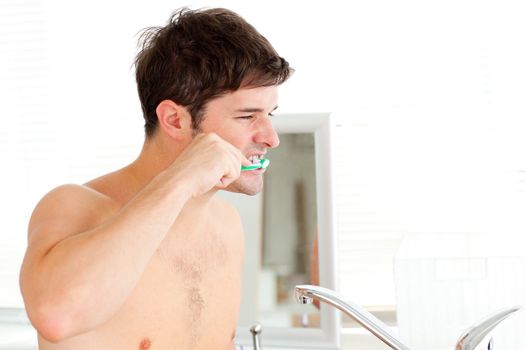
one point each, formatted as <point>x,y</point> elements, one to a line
<point>479,333</point>
<point>306,293</point>
<point>476,337</point>
<point>256,330</point>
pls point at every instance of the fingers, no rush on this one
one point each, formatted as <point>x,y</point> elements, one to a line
<point>226,159</point>
<point>233,168</point>
<point>209,162</point>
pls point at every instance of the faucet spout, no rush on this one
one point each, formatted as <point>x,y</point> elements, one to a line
<point>480,332</point>
<point>306,293</point>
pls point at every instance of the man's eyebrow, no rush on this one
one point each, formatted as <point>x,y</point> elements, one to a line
<point>253,110</point>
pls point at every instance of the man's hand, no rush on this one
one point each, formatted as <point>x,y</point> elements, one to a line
<point>208,162</point>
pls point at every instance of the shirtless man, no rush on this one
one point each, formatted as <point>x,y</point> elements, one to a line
<point>147,257</point>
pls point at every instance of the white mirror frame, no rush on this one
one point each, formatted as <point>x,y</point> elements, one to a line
<point>327,336</point>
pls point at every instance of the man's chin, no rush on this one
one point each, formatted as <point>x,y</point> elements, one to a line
<point>244,189</point>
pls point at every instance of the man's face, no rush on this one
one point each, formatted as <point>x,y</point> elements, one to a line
<point>243,119</point>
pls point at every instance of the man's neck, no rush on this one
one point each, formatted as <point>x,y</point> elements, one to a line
<point>153,158</point>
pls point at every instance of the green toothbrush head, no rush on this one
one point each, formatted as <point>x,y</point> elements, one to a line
<point>263,164</point>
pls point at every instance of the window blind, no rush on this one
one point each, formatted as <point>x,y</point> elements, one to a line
<point>24,138</point>
<point>51,134</point>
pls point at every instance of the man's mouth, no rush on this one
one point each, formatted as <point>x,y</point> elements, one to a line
<point>258,163</point>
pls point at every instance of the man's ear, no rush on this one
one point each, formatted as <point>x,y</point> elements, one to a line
<point>174,119</point>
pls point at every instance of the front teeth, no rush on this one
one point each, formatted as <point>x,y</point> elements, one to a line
<point>255,159</point>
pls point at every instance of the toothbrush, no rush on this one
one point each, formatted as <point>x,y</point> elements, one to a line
<point>263,163</point>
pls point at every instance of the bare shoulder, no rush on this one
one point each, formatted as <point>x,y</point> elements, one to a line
<point>67,210</point>
<point>226,212</point>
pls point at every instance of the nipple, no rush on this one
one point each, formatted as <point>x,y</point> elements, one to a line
<point>145,344</point>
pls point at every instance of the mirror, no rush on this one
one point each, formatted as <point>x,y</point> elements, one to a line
<point>280,226</point>
<point>288,233</point>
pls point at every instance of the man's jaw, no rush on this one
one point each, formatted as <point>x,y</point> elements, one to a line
<point>250,182</point>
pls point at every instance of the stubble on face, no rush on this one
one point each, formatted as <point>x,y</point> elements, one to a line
<point>241,186</point>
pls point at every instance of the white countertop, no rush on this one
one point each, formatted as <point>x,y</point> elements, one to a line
<point>23,337</point>
<point>17,337</point>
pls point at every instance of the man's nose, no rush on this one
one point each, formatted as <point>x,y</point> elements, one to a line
<point>266,134</point>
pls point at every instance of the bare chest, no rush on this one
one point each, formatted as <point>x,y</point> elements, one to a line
<point>189,294</point>
<point>188,298</point>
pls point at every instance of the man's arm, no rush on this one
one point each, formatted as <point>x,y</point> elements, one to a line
<point>81,264</point>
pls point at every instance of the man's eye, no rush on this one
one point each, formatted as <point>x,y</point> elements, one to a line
<point>271,114</point>
<point>246,117</point>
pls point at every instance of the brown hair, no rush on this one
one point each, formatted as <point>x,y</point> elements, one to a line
<point>200,55</point>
